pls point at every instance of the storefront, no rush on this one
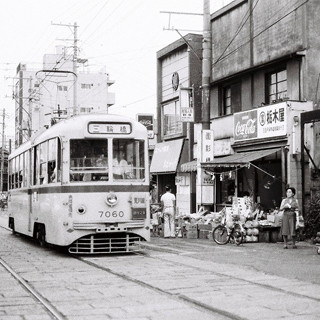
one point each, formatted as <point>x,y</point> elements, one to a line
<point>252,168</point>
<point>255,173</point>
<point>165,168</point>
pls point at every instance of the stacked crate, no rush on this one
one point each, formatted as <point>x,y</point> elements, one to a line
<point>204,230</point>
<point>191,231</point>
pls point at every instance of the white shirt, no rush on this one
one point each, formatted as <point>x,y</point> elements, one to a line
<point>168,199</point>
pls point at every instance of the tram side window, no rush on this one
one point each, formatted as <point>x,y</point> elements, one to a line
<point>20,170</point>
<point>16,173</point>
<point>36,168</point>
<point>54,163</point>
<point>128,159</point>
<point>89,160</point>
<point>47,162</point>
<point>12,173</point>
<point>26,171</point>
<point>43,162</point>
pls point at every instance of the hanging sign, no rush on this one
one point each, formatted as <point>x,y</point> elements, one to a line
<point>207,145</point>
<point>186,105</point>
<point>147,120</point>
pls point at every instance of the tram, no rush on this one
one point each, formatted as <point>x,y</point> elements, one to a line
<point>83,184</point>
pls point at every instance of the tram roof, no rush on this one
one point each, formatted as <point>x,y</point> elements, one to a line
<point>75,125</point>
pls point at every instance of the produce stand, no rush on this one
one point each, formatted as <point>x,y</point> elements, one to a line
<point>258,225</point>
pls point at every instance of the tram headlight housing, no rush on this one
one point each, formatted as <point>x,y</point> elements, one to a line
<point>111,199</point>
<point>82,209</point>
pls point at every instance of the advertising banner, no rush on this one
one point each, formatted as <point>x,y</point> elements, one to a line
<point>147,121</point>
<point>261,123</point>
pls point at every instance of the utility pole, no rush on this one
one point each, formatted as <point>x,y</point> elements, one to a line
<point>30,111</point>
<point>206,66</point>
<point>75,62</point>
<point>2,152</point>
<point>75,67</point>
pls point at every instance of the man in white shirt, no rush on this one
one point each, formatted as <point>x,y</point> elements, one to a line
<point>168,205</point>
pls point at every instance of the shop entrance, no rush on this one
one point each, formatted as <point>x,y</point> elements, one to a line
<point>163,181</point>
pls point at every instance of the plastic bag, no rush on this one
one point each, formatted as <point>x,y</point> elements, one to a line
<point>300,222</point>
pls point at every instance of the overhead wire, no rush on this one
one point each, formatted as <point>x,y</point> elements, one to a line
<point>260,32</point>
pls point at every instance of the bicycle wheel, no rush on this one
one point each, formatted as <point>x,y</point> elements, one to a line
<point>220,235</point>
<point>237,236</point>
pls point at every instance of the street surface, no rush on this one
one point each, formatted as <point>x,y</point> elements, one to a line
<point>172,279</point>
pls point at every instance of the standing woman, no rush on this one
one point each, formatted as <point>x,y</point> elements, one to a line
<point>290,208</point>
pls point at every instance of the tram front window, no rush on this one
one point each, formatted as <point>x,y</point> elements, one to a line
<point>89,160</point>
<point>128,159</point>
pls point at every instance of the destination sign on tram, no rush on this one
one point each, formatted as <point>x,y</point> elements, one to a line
<point>109,128</point>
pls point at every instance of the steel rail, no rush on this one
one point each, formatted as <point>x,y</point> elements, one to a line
<point>48,306</point>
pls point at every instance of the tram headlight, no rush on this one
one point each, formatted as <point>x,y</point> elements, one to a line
<point>111,199</point>
<point>82,209</point>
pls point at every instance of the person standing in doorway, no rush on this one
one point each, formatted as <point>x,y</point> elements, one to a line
<point>168,205</point>
<point>290,208</point>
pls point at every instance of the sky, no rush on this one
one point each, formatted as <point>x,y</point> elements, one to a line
<point>122,36</point>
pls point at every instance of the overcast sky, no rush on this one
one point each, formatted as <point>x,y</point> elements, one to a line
<point>121,35</point>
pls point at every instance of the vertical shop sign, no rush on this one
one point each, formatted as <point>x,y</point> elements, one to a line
<point>207,150</point>
<point>186,105</point>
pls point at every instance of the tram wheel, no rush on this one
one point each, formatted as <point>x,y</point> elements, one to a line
<point>41,235</point>
<point>11,225</point>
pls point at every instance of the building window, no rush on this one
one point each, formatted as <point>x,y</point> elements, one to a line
<point>231,96</point>
<point>86,86</point>
<point>226,101</point>
<point>171,119</point>
<point>62,88</point>
<point>276,86</point>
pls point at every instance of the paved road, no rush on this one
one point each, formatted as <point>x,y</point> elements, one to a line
<point>173,279</point>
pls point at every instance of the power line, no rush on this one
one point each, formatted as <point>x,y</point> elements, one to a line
<point>259,33</point>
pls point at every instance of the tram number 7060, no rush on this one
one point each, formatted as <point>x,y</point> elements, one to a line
<point>111,214</point>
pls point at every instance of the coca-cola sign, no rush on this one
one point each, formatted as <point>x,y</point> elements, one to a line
<point>266,122</point>
<point>245,125</point>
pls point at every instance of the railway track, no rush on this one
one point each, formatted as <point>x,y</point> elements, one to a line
<point>188,282</point>
<point>50,309</point>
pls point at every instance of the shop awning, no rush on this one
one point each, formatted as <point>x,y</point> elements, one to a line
<point>189,166</point>
<point>238,159</point>
<point>166,156</point>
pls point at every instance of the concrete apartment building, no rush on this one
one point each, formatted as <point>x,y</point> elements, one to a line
<point>44,95</point>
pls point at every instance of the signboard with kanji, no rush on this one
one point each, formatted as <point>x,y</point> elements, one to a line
<point>186,105</point>
<point>266,122</point>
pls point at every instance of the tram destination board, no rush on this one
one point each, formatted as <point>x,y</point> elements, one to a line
<point>109,127</point>
<point>139,213</point>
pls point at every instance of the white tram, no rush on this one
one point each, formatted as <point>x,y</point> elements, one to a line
<point>84,184</point>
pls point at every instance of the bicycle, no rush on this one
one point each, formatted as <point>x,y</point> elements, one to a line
<point>222,234</point>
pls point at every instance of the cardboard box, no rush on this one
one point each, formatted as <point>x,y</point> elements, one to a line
<point>275,235</point>
<point>270,218</point>
<point>202,226</point>
<point>193,234</point>
<point>264,236</point>
<point>191,226</point>
<point>204,234</point>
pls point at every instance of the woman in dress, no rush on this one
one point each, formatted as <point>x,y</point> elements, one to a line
<point>290,208</point>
